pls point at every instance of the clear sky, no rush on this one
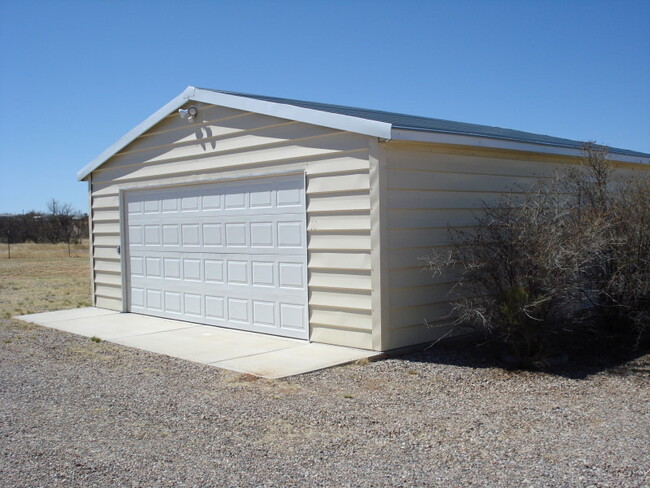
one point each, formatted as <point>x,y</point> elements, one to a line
<point>76,75</point>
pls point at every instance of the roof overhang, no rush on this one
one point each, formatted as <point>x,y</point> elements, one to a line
<point>398,134</point>
<point>348,123</point>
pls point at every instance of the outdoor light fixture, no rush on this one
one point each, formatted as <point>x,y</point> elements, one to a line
<point>189,113</point>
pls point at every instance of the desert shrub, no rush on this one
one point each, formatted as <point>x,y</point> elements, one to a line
<point>625,290</point>
<point>516,271</point>
<point>569,252</point>
<point>616,280</point>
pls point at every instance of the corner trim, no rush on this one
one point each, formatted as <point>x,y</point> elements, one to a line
<point>379,278</point>
<point>91,242</point>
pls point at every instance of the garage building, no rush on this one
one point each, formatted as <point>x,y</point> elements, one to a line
<point>298,219</point>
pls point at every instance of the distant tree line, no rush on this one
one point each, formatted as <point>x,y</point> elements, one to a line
<point>61,223</point>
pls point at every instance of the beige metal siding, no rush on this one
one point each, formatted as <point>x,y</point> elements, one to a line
<point>228,143</point>
<point>430,188</point>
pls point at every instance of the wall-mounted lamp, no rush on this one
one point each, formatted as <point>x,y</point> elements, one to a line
<point>189,113</point>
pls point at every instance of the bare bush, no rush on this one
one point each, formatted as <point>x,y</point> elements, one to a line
<point>567,253</point>
<point>616,283</point>
<point>517,270</point>
<point>624,287</point>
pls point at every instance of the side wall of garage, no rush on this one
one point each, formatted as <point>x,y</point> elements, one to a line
<point>224,143</point>
<point>430,188</point>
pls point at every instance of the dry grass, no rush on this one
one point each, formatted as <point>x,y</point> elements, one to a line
<point>31,250</point>
<point>41,277</point>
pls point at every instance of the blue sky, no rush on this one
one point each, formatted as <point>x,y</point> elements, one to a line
<point>75,76</point>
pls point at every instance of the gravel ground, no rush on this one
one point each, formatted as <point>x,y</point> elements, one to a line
<point>78,413</point>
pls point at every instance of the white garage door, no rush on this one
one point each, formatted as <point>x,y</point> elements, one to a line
<point>229,254</point>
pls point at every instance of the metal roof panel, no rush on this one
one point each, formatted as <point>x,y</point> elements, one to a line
<point>427,124</point>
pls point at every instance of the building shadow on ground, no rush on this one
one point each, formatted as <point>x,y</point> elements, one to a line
<point>584,355</point>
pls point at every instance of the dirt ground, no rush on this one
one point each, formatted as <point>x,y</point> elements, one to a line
<point>78,413</point>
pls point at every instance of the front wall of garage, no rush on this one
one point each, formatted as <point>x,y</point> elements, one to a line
<point>224,144</point>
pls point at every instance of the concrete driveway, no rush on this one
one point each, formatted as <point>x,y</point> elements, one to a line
<point>258,354</point>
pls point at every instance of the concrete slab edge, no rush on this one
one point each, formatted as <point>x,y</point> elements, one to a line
<point>372,358</point>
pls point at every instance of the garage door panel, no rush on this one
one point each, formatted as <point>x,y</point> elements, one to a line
<point>170,235</point>
<point>154,299</point>
<point>263,273</point>
<point>173,302</point>
<point>261,199</point>
<point>266,292</point>
<point>292,316</point>
<point>281,317</point>
<point>153,267</point>
<point>228,254</point>
<point>169,205</point>
<point>137,297</point>
<point>215,307</point>
<point>291,275</point>
<point>137,266</point>
<point>190,236</point>
<point>214,271</point>
<point>223,198</point>
<point>271,233</point>
<point>212,235</point>
<point>152,235</point>
<point>192,304</point>
<point>192,269</point>
<point>136,235</point>
<point>275,271</point>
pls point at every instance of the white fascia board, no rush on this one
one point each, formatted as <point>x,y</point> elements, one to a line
<point>290,112</point>
<point>480,141</point>
<point>300,114</point>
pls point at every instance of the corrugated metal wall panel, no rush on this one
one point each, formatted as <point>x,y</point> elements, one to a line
<point>339,260</point>
<point>109,303</point>
<point>347,319</point>
<point>112,240</point>
<point>340,335</point>
<point>340,242</point>
<point>198,161</point>
<point>337,183</point>
<point>322,222</point>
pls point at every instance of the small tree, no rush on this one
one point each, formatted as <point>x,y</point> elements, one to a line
<point>62,221</point>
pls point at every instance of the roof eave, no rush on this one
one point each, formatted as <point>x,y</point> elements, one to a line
<point>347,123</point>
<point>411,135</point>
